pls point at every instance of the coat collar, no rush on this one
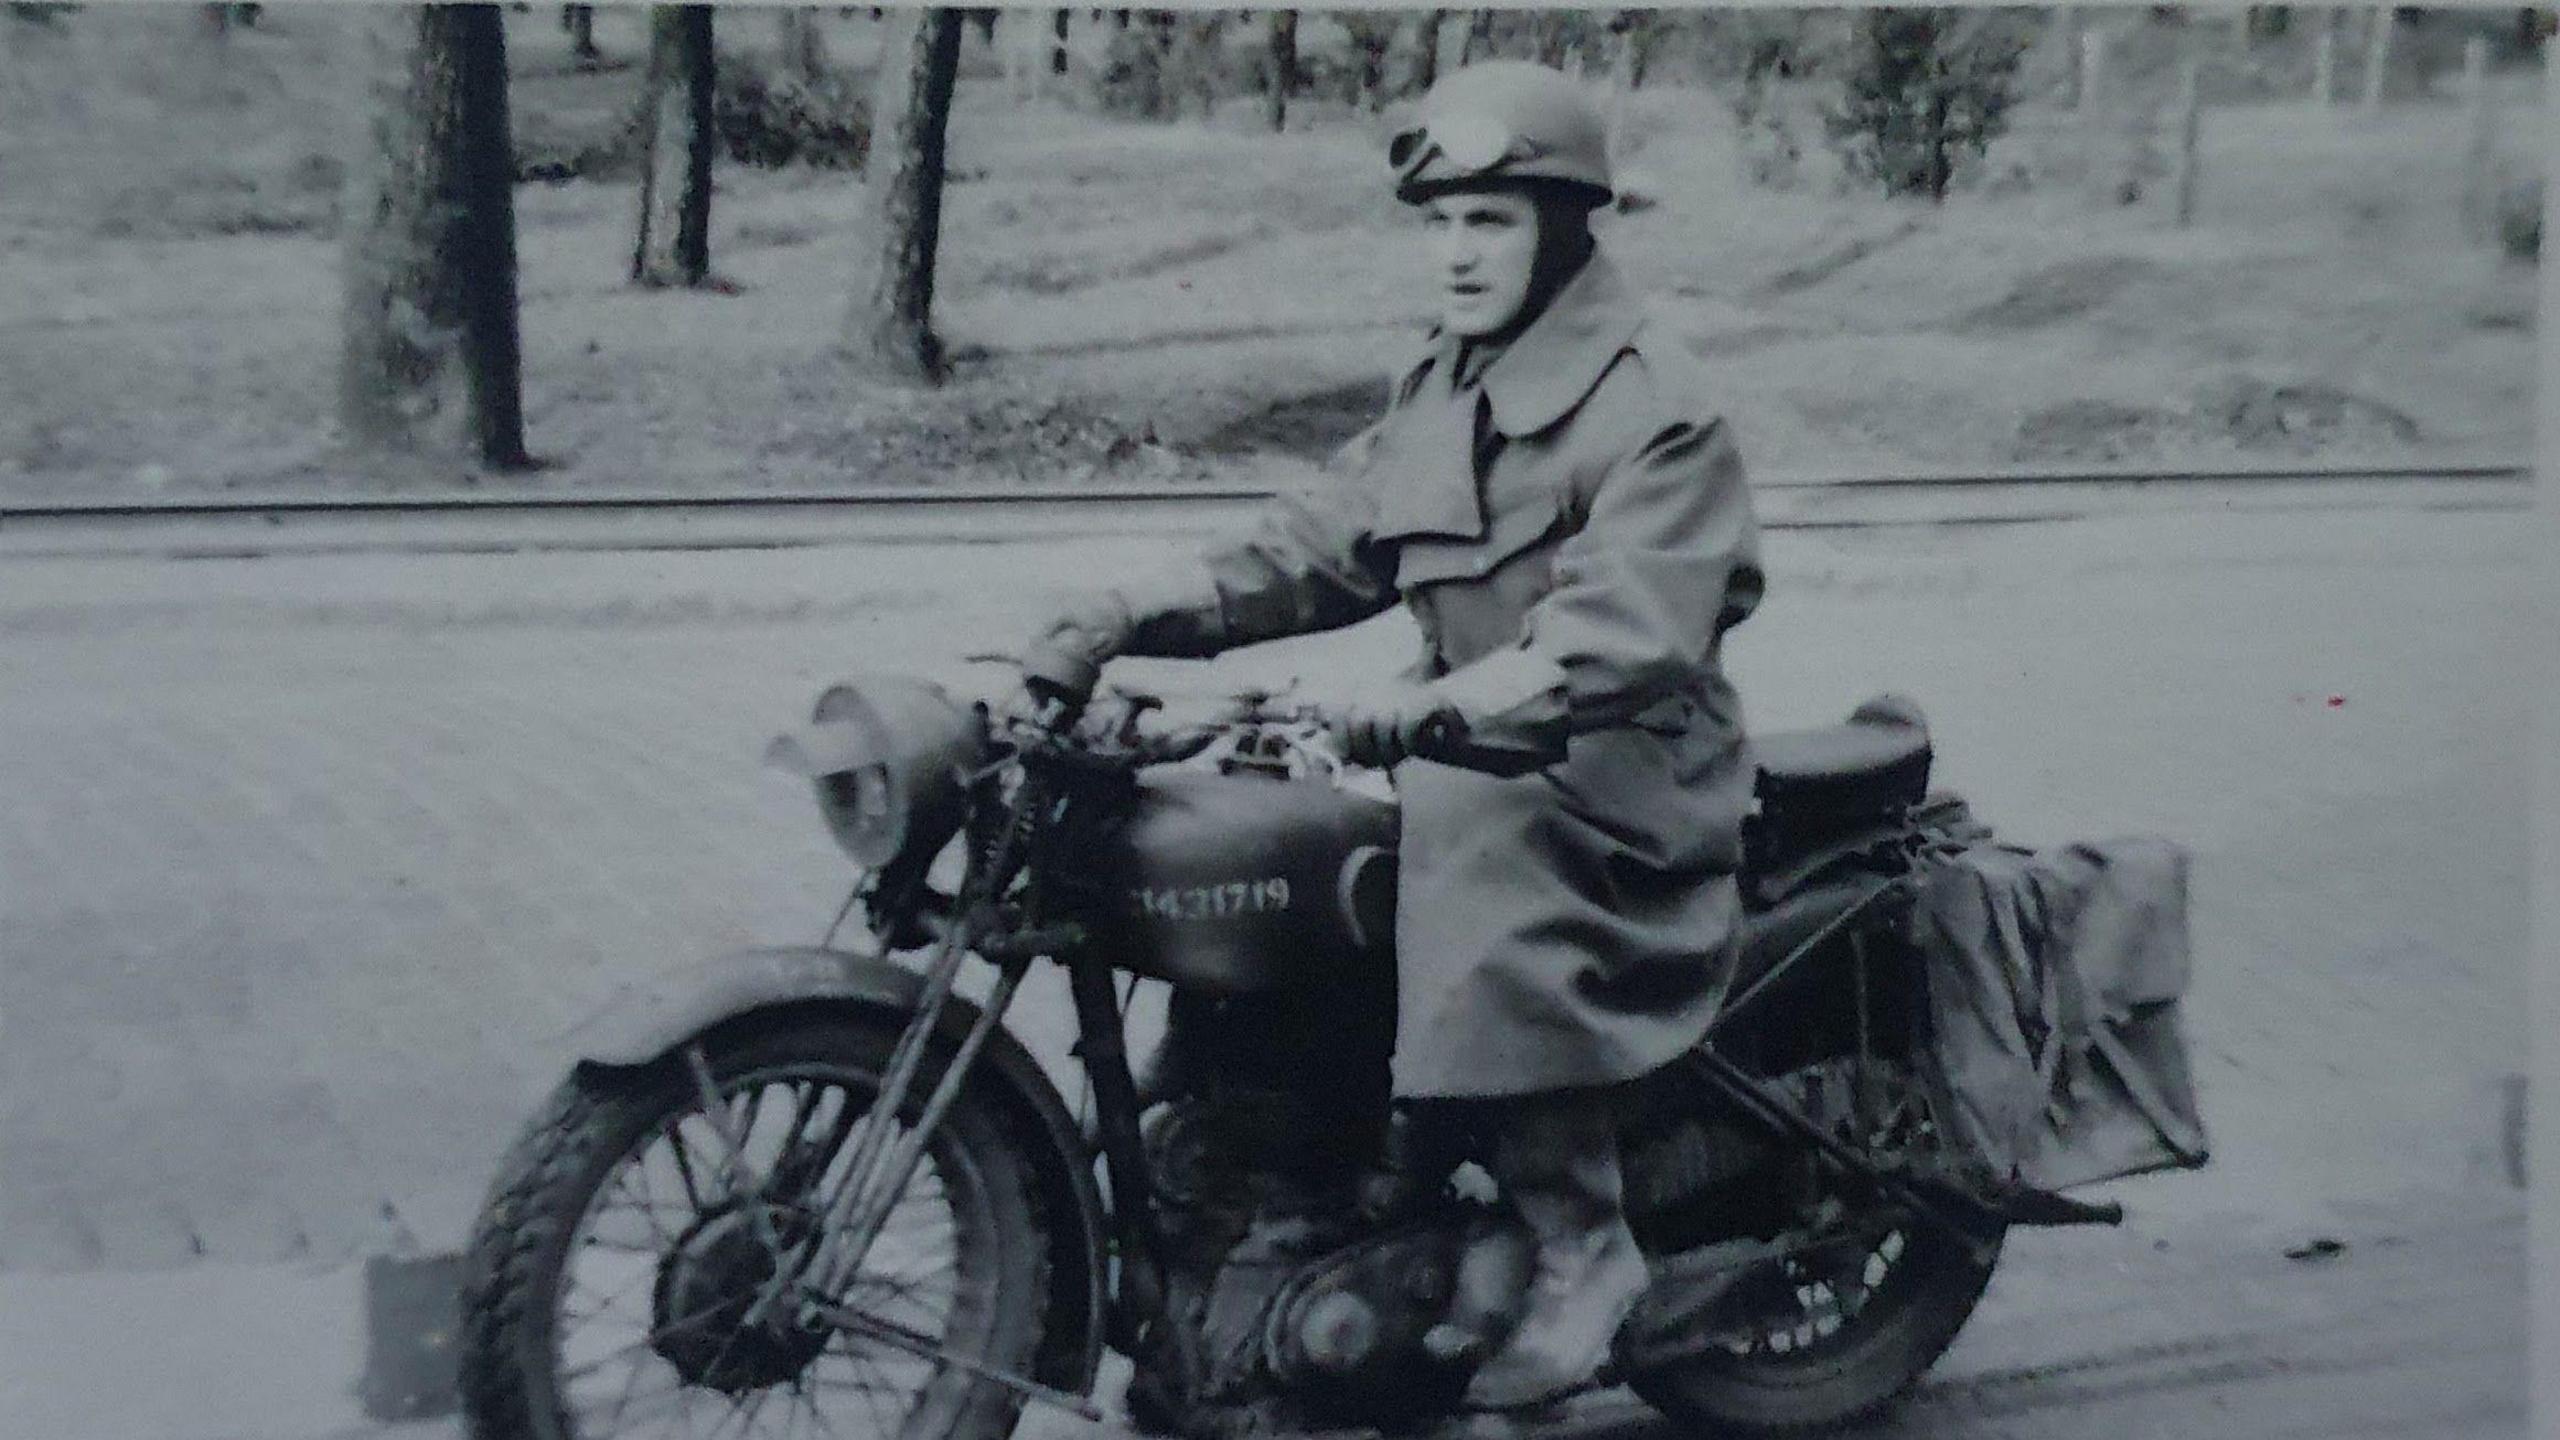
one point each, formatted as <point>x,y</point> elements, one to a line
<point>1551,366</point>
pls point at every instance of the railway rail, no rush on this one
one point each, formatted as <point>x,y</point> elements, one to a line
<point>205,526</point>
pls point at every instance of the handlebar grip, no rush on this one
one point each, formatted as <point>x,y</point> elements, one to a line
<point>1448,743</point>
<point>1054,673</point>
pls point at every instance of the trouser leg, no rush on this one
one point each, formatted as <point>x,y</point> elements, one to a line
<point>1556,1160</point>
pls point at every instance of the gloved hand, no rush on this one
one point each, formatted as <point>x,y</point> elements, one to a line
<point>1384,727</point>
<point>1065,656</point>
<point>1168,610</point>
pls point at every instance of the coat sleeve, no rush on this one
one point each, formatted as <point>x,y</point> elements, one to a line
<point>1666,560</point>
<point>1311,563</point>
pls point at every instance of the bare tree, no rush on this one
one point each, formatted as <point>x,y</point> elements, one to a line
<point>2377,54</point>
<point>1558,33</point>
<point>1281,70</point>
<point>674,245</point>
<point>1372,31</point>
<point>580,22</point>
<point>804,49</point>
<point>891,328</point>
<point>1192,64</point>
<point>1479,42</point>
<point>1622,77</point>
<point>431,355</point>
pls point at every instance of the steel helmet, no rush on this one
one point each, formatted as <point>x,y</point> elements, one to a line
<point>1503,120</point>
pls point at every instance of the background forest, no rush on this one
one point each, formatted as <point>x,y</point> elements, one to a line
<point>1165,248</point>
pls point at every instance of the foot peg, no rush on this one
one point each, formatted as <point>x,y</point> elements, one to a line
<point>2024,1206</point>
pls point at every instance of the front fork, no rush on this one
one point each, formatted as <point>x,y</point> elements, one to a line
<point>808,1275</point>
<point>1143,1296</point>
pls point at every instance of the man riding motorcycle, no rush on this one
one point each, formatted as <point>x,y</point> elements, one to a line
<point>1553,497</point>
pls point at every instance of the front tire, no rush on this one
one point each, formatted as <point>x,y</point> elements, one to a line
<point>604,1287</point>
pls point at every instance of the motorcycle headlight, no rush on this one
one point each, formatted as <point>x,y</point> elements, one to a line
<point>889,758</point>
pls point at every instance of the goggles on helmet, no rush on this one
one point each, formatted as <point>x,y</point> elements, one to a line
<point>1473,144</point>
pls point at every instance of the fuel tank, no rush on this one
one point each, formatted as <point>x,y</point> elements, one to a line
<point>1237,883</point>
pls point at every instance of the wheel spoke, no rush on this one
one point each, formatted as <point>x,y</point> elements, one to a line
<point>677,1326</point>
<point>809,1402</point>
<point>682,1149</point>
<point>779,1140</point>
<point>861,1386</point>
<point>745,1408</point>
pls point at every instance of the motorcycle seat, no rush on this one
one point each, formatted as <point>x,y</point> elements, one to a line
<point>1877,761</point>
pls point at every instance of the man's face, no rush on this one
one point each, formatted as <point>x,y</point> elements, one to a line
<point>1481,247</point>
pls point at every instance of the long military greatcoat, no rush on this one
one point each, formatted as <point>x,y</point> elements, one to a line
<point>1572,530</point>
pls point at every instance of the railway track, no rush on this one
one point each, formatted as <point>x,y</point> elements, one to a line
<point>229,525</point>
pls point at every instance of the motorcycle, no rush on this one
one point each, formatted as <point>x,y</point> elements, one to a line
<point>829,1188</point>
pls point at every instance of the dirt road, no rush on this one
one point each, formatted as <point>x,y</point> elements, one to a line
<point>317,855</point>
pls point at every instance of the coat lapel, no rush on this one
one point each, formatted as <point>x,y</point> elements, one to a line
<point>1435,492</point>
<point>1559,359</point>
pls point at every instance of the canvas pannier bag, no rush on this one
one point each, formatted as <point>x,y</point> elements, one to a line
<point>2054,986</point>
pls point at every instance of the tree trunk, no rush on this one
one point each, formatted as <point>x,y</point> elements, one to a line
<point>674,246</point>
<point>1941,159</point>
<point>1158,35</point>
<point>2324,59</point>
<point>1622,70</point>
<point>1554,29</point>
<point>1203,41</point>
<point>2377,55</point>
<point>891,329</point>
<point>2190,140</point>
<point>580,22</point>
<point>2480,153</point>
<point>804,49</point>
<point>1427,74</point>
<point>431,356</point>
<point>1058,47</point>
<point>1280,70</point>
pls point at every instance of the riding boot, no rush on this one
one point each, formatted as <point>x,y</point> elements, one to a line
<point>1556,1160</point>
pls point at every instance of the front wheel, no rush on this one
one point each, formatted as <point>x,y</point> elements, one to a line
<point>627,1233</point>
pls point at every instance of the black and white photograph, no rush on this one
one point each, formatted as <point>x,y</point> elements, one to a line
<point>802,722</point>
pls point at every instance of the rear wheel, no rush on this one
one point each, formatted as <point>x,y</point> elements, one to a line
<point>610,1279</point>
<point>1838,1330</point>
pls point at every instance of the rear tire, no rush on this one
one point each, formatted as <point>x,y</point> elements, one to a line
<point>544,1213</point>
<point>1836,1333</point>
<point>1840,1380</point>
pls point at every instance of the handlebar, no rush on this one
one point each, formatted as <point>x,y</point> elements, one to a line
<point>1309,724</point>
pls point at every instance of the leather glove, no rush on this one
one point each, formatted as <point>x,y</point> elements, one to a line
<point>1065,656</point>
<point>1386,727</point>
<point>1171,610</point>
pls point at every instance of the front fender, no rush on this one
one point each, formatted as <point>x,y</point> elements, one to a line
<point>645,1022</point>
